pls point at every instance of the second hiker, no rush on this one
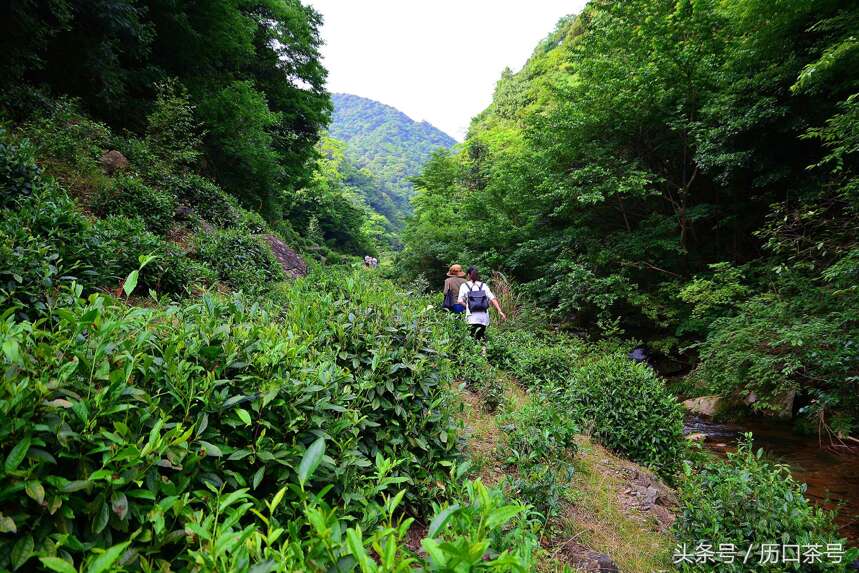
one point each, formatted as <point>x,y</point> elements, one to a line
<point>477,298</point>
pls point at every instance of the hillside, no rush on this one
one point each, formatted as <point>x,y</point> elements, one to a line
<point>386,148</point>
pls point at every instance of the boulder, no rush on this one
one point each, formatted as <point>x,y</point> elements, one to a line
<point>782,407</point>
<point>585,559</point>
<point>113,161</point>
<point>704,405</point>
<point>293,265</point>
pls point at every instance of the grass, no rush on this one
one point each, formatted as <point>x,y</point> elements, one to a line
<point>595,515</point>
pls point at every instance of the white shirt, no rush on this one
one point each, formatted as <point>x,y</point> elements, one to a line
<point>475,317</point>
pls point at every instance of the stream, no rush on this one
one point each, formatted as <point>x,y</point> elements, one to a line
<point>832,476</point>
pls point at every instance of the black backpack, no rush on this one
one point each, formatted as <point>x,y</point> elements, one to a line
<point>477,299</point>
<point>449,300</point>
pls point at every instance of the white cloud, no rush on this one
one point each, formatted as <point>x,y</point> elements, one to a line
<point>434,60</point>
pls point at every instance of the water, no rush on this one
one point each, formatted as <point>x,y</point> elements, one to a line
<point>832,474</point>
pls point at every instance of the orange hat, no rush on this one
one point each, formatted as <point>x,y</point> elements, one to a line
<point>455,271</point>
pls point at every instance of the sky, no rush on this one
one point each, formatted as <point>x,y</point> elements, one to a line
<point>434,60</point>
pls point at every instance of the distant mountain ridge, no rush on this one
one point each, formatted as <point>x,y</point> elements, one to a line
<point>387,147</point>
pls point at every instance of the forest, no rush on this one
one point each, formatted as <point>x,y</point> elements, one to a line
<point>200,375</point>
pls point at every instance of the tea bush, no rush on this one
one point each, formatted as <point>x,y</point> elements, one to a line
<point>535,362</point>
<point>122,424</point>
<point>539,444</point>
<point>241,260</point>
<point>18,170</point>
<point>120,241</point>
<point>207,199</point>
<point>747,501</point>
<point>629,410</point>
<point>129,196</point>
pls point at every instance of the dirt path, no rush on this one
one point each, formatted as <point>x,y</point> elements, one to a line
<point>616,516</point>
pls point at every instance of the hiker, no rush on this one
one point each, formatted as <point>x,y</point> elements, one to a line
<point>374,262</point>
<point>477,297</point>
<point>367,261</point>
<point>455,279</point>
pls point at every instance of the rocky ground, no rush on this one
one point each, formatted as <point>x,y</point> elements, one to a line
<point>617,516</point>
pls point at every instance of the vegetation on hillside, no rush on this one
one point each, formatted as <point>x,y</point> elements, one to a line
<point>680,172</point>
<point>386,149</point>
<point>169,402</point>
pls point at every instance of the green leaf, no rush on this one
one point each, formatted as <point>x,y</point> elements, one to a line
<point>58,565</point>
<point>36,491</point>
<point>211,449</point>
<point>310,460</point>
<point>356,546</point>
<point>101,518</point>
<point>264,567</point>
<point>106,560</point>
<point>245,417</point>
<point>22,551</point>
<point>17,455</point>
<point>258,476</point>
<point>441,518</point>
<point>7,524</point>
<point>502,515</point>
<point>119,504</point>
<point>130,282</point>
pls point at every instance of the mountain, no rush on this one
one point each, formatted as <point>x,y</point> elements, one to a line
<point>386,148</point>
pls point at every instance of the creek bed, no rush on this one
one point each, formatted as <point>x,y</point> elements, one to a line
<point>831,473</point>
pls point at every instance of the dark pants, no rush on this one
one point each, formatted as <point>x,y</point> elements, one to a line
<point>478,331</point>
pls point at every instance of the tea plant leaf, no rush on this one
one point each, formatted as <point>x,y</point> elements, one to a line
<point>22,551</point>
<point>356,546</point>
<point>211,449</point>
<point>104,561</point>
<point>75,485</point>
<point>58,565</point>
<point>502,515</point>
<point>17,455</point>
<point>101,519</point>
<point>130,282</point>
<point>7,524</point>
<point>36,491</point>
<point>260,473</point>
<point>119,504</point>
<point>245,417</point>
<point>310,460</point>
<point>441,518</point>
<point>263,567</point>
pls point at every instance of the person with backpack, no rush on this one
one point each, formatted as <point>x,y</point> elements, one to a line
<point>455,279</point>
<point>477,298</point>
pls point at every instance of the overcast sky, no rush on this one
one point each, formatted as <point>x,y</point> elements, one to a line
<point>435,60</point>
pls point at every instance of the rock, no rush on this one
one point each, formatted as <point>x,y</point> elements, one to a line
<point>750,399</point>
<point>696,437</point>
<point>782,407</point>
<point>704,405</point>
<point>663,516</point>
<point>293,265</point>
<point>584,559</point>
<point>113,161</point>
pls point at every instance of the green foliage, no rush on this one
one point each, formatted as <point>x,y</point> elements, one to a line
<point>539,443</point>
<point>242,260</point>
<point>173,418</point>
<point>207,200</point>
<point>128,196</point>
<point>18,171</point>
<point>171,130</point>
<point>629,410</point>
<point>384,148</point>
<point>625,177</point>
<point>252,72</point>
<point>748,501</point>
<point>120,241</point>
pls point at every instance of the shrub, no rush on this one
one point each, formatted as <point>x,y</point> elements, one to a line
<point>149,426</point>
<point>120,241</point>
<point>69,145</point>
<point>130,197</point>
<point>539,443</point>
<point>207,199</point>
<point>747,501</point>
<point>243,261</point>
<point>629,411</point>
<point>18,171</point>
<point>534,361</point>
